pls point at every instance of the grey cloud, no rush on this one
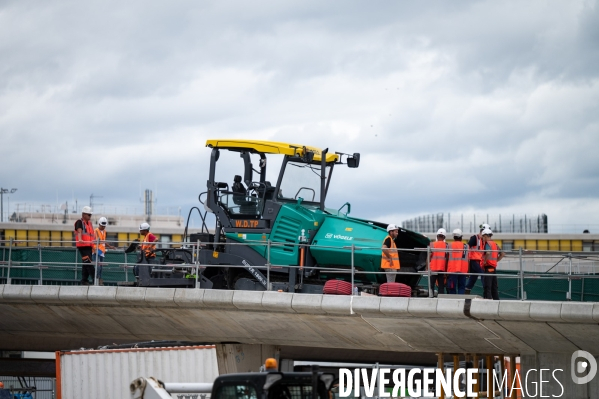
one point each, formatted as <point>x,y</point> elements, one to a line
<point>480,103</point>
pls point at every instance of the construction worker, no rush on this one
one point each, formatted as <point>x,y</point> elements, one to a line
<point>457,265</point>
<point>146,238</point>
<point>475,257</point>
<point>390,260</point>
<point>439,258</point>
<point>492,255</point>
<point>84,238</point>
<point>100,236</point>
<point>146,248</point>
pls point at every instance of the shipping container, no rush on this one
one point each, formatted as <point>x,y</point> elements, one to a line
<point>107,373</point>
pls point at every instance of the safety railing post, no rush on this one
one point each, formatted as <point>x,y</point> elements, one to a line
<point>126,268</point>
<point>352,269</point>
<point>521,275</point>
<point>39,265</point>
<point>268,288</point>
<point>97,260</point>
<point>10,243</point>
<point>467,254</point>
<point>197,263</point>
<point>569,298</point>
<point>76,260</point>
<point>428,269</point>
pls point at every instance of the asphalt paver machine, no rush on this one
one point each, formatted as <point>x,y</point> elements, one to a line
<point>285,224</point>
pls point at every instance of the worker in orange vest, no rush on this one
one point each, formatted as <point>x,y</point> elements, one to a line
<point>146,239</point>
<point>438,263</point>
<point>390,259</point>
<point>146,246</point>
<point>491,257</point>
<point>84,238</point>
<point>100,251</point>
<point>475,257</point>
<point>457,265</point>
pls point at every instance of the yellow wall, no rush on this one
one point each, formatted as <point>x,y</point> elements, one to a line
<point>564,245</point>
<point>67,236</point>
<point>56,236</point>
<point>32,237</point>
<point>22,237</point>
<point>542,245</point>
<point>8,234</point>
<point>531,245</point>
<point>177,238</point>
<point>577,245</point>
<point>518,244</point>
<point>45,238</point>
<point>554,245</point>
<point>123,239</point>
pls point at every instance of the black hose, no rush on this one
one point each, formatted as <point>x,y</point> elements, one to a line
<point>202,216</point>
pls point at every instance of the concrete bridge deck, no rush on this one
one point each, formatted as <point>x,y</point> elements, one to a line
<point>63,317</point>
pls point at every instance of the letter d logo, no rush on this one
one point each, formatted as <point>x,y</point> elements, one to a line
<point>579,366</point>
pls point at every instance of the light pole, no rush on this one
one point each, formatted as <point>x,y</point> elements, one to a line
<point>2,192</point>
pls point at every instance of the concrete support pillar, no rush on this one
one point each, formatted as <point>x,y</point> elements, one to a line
<point>531,366</point>
<point>243,358</point>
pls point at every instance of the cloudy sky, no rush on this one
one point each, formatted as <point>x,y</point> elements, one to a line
<point>469,106</point>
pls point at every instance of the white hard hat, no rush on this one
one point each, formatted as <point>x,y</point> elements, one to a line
<point>103,221</point>
<point>392,227</point>
<point>87,209</point>
<point>457,233</point>
<point>144,226</point>
<point>484,226</point>
<point>441,232</point>
<point>487,232</point>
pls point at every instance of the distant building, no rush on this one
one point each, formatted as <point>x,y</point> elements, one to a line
<point>51,228</point>
<point>470,223</point>
<point>511,232</point>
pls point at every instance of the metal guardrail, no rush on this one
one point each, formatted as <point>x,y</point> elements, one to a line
<point>54,268</point>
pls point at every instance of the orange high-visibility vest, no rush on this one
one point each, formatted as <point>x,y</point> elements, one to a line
<point>474,253</point>
<point>146,247</point>
<point>87,234</point>
<point>101,235</point>
<point>393,261</point>
<point>492,261</point>
<point>457,258</point>
<point>438,258</point>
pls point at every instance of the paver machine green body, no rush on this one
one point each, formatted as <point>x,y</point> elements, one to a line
<point>287,225</point>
